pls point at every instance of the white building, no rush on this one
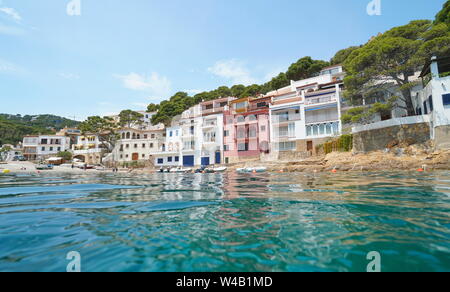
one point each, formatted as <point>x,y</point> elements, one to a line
<point>44,146</point>
<point>434,99</point>
<point>196,138</point>
<point>307,112</point>
<point>88,149</point>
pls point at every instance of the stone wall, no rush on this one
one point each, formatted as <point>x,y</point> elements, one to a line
<point>380,139</point>
<point>442,137</point>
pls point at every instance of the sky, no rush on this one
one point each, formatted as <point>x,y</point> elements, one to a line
<point>103,56</point>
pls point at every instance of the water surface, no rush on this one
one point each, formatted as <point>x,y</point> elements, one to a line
<point>226,222</point>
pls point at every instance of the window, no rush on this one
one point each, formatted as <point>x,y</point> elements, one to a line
<point>240,119</point>
<point>241,105</point>
<point>160,160</point>
<point>171,134</point>
<point>135,146</point>
<point>263,128</point>
<point>153,136</point>
<point>226,133</point>
<point>59,148</point>
<point>177,158</point>
<point>226,148</point>
<point>169,159</point>
<point>127,146</point>
<point>446,100</point>
<point>177,133</point>
<point>143,155</point>
<point>44,141</point>
<point>121,156</point>
<point>43,148</point>
<point>143,145</point>
<point>430,102</point>
<point>252,132</point>
<point>151,145</point>
<point>145,136</point>
<point>243,147</point>
<point>223,104</point>
<point>425,108</point>
<point>261,104</point>
<point>286,146</point>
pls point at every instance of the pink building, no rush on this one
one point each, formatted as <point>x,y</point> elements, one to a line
<point>246,129</point>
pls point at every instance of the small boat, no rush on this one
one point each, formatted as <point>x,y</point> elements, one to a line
<point>220,169</point>
<point>180,170</point>
<point>44,167</point>
<point>252,170</point>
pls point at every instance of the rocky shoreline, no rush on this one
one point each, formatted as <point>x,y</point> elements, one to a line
<point>411,158</point>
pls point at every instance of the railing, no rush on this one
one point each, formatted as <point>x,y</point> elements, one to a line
<point>319,100</point>
<point>284,118</point>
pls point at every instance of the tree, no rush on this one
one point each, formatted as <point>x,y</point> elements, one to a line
<point>393,57</point>
<point>152,108</point>
<point>444,15</point>
<point>237,90</point>
<point>305,68</point>
<point>342,55</point>
<point>104,128</point>
<point>129,118</point>
<point>65,155</point>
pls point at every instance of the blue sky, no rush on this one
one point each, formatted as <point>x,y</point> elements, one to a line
<point>125,54</point>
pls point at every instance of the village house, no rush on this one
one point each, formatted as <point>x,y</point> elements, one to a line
<point>306,114</point>
<point>41,147</point>
<point>246,129</point>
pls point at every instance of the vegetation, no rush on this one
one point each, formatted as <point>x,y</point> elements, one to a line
<point>105,128</point>
<point>444,15</point>
<point>65,155</point>
<point>393,57</point>
<point>129,118</point>
<point>304,68</point>
<point>342,144</point>
<point>12,132</point>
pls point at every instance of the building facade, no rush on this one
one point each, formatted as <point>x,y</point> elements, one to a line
<point>88,149</point>
<point>44,146</point>
<point>246,129</point>
<point>434,99</point>
<point>306,113</point>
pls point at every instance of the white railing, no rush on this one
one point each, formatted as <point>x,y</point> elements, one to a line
<point>319,100</point>
<point>392,123</point>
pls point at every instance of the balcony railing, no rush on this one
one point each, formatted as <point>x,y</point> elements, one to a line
<point>321,99</point>
<point>286,118</point>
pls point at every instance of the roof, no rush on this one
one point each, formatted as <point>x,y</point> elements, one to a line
<point>443,65</point>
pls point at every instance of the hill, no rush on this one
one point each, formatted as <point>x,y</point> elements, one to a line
<point>14,127</point>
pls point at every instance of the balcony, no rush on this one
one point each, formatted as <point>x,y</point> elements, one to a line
<point>210,124</point>
<point>214,110</point>
<point>278,119</point>
<point>320,100</point>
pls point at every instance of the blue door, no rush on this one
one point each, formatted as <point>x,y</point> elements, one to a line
<point>205,161</point>
<point>218,156</point>
<point>188,160</point>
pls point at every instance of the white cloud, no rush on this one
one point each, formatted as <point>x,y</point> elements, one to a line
<point>11,12</point>
<point>233,70</point>
<point>8,67</point>
<point>69,76</point>
<point>11,30</point>
<point>154,84</point>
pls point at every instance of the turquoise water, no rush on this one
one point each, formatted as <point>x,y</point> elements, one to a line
<point>226,222</point>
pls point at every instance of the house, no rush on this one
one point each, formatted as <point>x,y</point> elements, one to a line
<point>88,149</point>
<point>41,147</point>
<point>246,129</point>
<point>171,151</point>
<point>434,99</point>
<point>306,114</point>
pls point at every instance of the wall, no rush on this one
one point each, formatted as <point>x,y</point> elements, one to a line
<point>381,138</point>
<point>442,137</point>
